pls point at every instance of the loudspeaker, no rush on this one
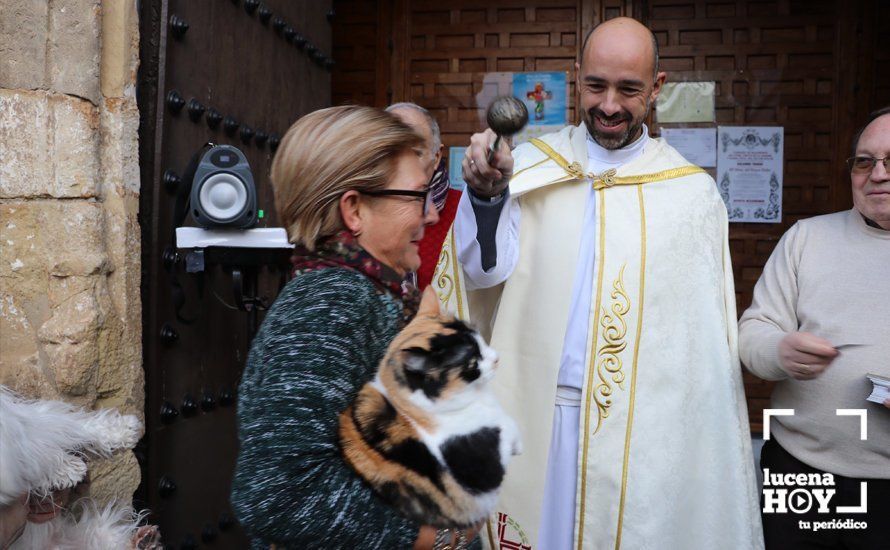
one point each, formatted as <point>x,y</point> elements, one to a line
<point>223,193</point>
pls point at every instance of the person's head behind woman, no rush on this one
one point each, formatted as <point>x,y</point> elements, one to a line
<point>328,175</point>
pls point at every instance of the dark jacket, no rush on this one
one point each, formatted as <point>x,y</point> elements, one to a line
<point>319,344</point>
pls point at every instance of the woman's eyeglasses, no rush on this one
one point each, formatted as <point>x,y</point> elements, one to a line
<point>425,195</point>
<point>864,165</point>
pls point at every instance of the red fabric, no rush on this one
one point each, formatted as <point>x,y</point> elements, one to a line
<point>433,237</point>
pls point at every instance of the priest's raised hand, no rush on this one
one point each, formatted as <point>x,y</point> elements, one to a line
<point>487,180</point>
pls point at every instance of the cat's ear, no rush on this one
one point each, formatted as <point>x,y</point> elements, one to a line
<point>429,303</point>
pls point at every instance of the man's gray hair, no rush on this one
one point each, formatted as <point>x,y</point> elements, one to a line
<point>434,126</point>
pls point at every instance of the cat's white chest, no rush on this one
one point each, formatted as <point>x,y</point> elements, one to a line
<point>483,412</point>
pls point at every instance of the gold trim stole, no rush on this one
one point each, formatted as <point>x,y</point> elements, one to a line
<point>447,279</point>
<point>608,178</point>
<point>613,323</point>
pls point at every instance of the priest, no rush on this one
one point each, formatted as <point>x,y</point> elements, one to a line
<point>596,260</point>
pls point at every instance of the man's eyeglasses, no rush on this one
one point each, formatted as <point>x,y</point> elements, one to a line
<point>425,195</point>
<point>864,165</point>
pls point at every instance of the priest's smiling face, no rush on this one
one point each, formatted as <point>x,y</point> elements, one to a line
<point>617,81</point>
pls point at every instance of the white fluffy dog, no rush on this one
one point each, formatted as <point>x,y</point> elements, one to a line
<point>44,447</point>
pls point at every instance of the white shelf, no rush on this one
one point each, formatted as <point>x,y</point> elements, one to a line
<point>195,237</point>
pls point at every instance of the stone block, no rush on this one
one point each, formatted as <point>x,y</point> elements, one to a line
<point>123,386</point>
<point>64,289</point>
<point>120,49</point>
<point>70,342</point>
<point>50,146</point>
<point>73,50</point>
<point>116,478</point>
<point>119,147</point>
<point>75,147</point>
<point>27,377</point>
<point>78,246</point>
<point>18,338</point>
<point>73,322</point>
<point>23,34</point>
<point>74,368</point>
<point>23,276</point>
<point>26,135</point>
<point>21,245</point>
<point>120,188</point>
<point>39,239</point>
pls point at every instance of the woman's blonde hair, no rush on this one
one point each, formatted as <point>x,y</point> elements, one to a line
<point>327,153</point>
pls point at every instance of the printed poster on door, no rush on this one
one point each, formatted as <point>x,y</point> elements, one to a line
<point>544,95</point>
<point>749,172</point>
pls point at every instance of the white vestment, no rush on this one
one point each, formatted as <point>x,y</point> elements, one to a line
<point>663,450</point>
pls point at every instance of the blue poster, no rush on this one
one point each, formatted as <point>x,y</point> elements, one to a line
<point>544,95</point>
<point>455,174</point>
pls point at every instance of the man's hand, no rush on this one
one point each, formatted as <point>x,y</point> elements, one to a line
<point>805,356</point>
<point>887,403</point>
<point>485,180</point>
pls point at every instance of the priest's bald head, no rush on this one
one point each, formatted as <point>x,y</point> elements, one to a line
<point>617,80</point>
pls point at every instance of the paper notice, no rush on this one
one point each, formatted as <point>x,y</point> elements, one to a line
<point>698,145</point>
<point>686,102</point>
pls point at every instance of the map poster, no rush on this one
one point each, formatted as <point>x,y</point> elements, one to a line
<point>749,172</point>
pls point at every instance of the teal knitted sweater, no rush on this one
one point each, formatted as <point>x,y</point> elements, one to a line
<point>319,344</point>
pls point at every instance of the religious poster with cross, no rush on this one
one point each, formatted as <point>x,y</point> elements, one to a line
<point>544,95</point>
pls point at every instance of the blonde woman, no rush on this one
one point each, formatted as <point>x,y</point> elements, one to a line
<point>353,196</point>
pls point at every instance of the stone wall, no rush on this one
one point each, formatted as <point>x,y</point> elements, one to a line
<point>70,311</point>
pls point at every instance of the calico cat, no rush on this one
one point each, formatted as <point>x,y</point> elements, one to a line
<point>427,433</point>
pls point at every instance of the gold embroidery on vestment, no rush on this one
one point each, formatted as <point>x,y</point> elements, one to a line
<point>609,178</point>
<point>609,365</point>
<point>540,162</point>
<point>447,284</point>
<point>633,375</point>
<point>606,179</point>
<point>444,284</point>
<point>460,301</point>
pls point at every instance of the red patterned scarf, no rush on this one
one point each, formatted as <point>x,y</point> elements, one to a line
<point>342,250</point>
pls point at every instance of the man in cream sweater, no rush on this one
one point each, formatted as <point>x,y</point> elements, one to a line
<point>819,322</point>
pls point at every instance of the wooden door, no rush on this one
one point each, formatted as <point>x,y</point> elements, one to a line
<point>236,72</point>
<point>814,67</point>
